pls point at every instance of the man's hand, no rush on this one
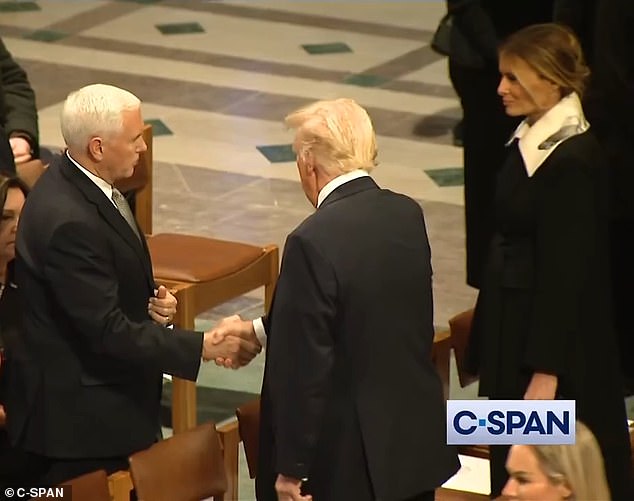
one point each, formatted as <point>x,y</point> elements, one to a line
<point>235,350</point>
<point>234,326</point>
<point>21,149</point>
<point>162,307</point>
<point>289,489</point>
<point>542,387</point>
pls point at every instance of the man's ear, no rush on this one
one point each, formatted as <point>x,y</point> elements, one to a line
<point>95,148</point>
<point>310,167</point>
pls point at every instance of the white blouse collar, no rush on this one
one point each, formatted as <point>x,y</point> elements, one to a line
<point>538,141</point>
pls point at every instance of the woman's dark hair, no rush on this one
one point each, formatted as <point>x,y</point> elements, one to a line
<point>7,181</point>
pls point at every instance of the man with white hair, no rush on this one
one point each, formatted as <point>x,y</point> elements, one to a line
<point>95,322</point>
<point>352,407</point>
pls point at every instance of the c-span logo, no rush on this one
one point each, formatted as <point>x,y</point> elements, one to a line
<point>509,422</point>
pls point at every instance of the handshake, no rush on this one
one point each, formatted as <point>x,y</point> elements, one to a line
<point>232,343</point>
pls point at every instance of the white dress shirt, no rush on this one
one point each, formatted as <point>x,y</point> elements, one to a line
<point>101,184</point>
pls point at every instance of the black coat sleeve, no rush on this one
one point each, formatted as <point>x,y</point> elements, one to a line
<point>86,290</point>
<point>300,353</point>
<point>20,112</point>
<point>565,244</point>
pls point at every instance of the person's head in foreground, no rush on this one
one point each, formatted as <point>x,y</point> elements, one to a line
<point>540,65</point>
<point>13,193</point>
<point>331,138</point>
<point>103,129</point>
<point>558,472</point>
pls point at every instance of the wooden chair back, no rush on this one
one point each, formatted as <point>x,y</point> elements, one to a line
<point>184,467</point>
<point>249,426</point>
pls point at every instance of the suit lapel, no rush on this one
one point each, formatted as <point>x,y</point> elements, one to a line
<point>109,213</point>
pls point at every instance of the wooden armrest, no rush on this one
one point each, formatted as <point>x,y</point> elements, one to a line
<point>120,485</point>
<point>230,439</point>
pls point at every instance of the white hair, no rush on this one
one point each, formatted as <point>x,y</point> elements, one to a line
<point>94,110</point>
<point>338,133</point>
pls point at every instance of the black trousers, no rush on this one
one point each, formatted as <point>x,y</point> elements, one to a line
<point>423,496</point>
<point>497,468</point>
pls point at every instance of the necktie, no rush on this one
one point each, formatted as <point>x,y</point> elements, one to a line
<point>124,209</point>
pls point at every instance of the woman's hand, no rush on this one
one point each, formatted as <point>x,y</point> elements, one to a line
<point>542,387</point>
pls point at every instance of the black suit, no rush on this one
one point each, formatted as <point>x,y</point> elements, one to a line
<point>95,358</point>
<point>350,398</point>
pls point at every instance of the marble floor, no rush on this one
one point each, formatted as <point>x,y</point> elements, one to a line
<point>217,79</point>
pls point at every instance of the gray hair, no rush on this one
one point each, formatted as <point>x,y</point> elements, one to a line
<point>94,110</point>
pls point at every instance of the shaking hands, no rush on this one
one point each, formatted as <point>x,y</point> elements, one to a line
<point>232,343</point>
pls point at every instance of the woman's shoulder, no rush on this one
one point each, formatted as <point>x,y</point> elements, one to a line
<point>576,161</point>
<point>581,151</point>
<point>583,144</point>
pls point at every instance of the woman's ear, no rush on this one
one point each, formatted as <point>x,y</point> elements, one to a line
<point>565,490</point>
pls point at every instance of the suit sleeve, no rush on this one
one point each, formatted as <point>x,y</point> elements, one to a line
<point>19,98</point>
<point>566,240</point>
<point>86,291</point>
<point>300,353</point>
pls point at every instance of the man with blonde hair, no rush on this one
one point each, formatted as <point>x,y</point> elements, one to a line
<point>352,408</point>
<point>95,323</point>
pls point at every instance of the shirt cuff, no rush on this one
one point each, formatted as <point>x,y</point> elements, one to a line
<point>260,333</point>
<point>168,377</point>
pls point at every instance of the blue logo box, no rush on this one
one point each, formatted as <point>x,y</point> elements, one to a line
<point>510,422</point>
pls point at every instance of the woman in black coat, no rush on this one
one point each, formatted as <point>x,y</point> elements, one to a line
<point>485,129</point>
<point>12,197</point>
<point>543,324</point>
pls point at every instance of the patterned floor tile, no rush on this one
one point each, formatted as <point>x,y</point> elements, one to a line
<point>365,80</point>
<point>213,404</point>
<point>46,35</point>
<point>18,6</point>
<point>326,48</point>
<point>451,176</point>
<point>159,128</point>
<point>180,28</point>
<point>277,153</point>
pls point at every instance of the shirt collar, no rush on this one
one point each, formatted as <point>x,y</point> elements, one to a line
<point>101,184</point>
<point>538,141</point>
<point>338,181</point>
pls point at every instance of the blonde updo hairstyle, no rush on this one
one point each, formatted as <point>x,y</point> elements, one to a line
<point>554,52</point>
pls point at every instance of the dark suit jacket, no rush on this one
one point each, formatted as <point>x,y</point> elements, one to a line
<point>351,399</point>
<point>92,374</point>
<point>18,113</point>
